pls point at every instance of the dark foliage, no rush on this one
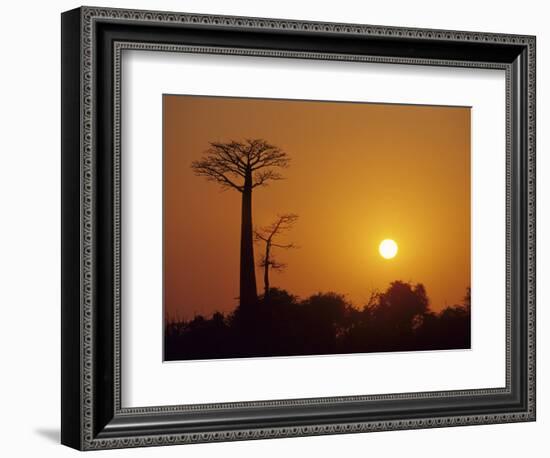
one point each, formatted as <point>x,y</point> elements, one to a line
<point>398,319</point>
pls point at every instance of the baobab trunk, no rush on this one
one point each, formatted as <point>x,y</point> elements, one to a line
<point>266,272</point>
<point>248,294</point>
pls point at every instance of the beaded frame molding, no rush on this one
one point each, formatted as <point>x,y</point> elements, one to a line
<point>92,43</point>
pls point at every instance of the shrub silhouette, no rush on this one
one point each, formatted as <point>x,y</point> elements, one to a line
<point>399,319</point>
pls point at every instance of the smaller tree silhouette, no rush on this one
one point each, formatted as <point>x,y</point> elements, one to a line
<point>269,236</point>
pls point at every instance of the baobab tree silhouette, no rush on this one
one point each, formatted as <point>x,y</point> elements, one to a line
<point>243,166</point>
<point>268,235</point>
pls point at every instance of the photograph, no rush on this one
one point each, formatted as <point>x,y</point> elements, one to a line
<point>314,227</point>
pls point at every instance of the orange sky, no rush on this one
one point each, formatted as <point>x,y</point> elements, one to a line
<point>359,173</point>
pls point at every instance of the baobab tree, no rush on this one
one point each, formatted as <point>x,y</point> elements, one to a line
<point>269,236</point>
<point>243,166</point>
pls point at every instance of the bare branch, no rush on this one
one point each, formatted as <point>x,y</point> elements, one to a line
<point>272,264</point>
<point>261,178</point>
<point>277,266</point>
<point>283,223</point>
<point>259,236</point>
<point>231,153</point>
<point>268,156</point>
<point>209,169</point>
<point>286,247</point>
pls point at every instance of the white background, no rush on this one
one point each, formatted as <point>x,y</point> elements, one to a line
<point>148,75</point>
<point>30,245</point>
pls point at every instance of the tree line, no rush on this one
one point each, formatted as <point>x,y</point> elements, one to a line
<point>398,319</point>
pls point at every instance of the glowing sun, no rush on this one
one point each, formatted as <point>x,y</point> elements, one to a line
<point>388,248</point>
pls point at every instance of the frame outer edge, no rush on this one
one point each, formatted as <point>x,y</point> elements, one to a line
<point>88,15</point>
<point>71,325</point>
<point>88,199</point>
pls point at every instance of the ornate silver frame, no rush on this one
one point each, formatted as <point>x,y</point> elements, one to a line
<point>91,387</point>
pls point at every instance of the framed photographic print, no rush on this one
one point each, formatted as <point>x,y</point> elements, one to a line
<point>277,228</point>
